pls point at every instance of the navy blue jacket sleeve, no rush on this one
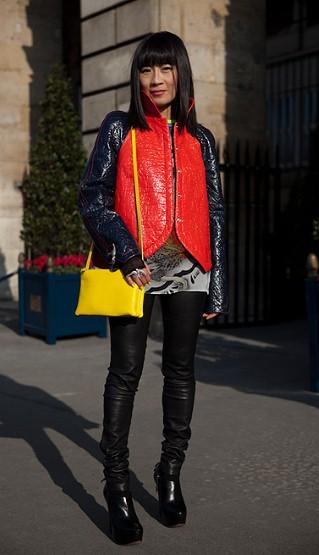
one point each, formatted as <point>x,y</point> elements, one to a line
<point>97,192</point>
<point>218,289</point>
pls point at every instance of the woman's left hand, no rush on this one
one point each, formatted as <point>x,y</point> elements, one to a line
<point>209,315</point>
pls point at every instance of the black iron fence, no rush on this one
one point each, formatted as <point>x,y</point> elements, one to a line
<point>268,232</point>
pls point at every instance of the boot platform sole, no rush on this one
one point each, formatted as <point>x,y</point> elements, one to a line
<point>168,524</point>
<point>120,538</point>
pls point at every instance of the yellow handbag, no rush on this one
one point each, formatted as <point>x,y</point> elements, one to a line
<point>106,292</point>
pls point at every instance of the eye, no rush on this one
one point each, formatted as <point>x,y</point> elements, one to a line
<point>145,69</point>
<point>167,67</point>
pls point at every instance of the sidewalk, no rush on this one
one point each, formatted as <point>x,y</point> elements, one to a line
<point>251,476</point>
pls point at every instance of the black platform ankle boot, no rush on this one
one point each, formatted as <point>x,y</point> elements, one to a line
<point>125,527</point>
<point>172,508</point>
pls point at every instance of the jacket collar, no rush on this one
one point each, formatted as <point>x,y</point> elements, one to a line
<point>150,108</point>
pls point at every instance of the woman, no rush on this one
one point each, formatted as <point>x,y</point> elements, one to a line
<point>184,262</point>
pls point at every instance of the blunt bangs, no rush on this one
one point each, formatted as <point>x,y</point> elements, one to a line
<point>155,50</point>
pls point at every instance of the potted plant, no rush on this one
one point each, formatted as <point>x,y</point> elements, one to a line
<point>56,242</point>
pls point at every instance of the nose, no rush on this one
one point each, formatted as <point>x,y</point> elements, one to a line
<point>156,76</point>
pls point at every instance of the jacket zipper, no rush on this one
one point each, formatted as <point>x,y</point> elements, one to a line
<point>174,172</point>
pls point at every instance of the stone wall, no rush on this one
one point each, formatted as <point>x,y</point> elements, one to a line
<point>225,41</point>
<point>110,34</point>
<point>30,40</point>
<point>245,76</point>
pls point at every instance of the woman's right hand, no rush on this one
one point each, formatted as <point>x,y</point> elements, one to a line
<point>141,278</point>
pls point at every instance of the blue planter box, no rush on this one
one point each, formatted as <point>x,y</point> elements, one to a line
<point>312,300</point>
<point>47,303</point>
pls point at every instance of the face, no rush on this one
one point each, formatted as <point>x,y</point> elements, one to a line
<point>160,83</point>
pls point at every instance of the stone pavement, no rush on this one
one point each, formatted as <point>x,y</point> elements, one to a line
<point>251,476</point>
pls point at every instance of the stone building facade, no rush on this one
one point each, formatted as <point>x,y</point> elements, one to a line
<point>30,41</point>
<point>225,40</point>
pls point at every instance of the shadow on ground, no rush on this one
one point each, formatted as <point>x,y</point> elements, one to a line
<point>266,360</point>
<point>27,411</point>
<point>9,315</point>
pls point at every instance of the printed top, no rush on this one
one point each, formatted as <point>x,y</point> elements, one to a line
<point>172,269</point>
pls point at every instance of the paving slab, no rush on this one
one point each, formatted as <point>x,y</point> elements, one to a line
<point>251,475</point>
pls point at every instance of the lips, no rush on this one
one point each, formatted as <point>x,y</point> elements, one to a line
<point>157,93</point>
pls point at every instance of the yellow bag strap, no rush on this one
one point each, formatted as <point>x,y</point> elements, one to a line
<point>88,260</point>
<point>137,194</point>
<point>137,203</point>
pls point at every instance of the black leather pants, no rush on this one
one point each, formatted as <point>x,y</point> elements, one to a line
<point>181,318</point>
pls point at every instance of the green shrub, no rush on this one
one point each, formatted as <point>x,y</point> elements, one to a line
<point>51,221</point>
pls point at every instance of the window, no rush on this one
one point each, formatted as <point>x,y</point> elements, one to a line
<point>293,108</point>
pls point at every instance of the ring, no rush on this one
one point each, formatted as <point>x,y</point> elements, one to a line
<point>138,272</point>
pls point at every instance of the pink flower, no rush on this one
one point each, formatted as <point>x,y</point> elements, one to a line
<point>40,262</point>
<point>57,261</point>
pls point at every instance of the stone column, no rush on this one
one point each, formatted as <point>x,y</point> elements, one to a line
<point>30,41</point>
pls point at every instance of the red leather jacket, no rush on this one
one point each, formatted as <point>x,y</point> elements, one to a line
<point>106,192</point>
<point>160,211</point>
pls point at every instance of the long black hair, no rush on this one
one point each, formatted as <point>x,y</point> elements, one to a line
<point>160,49</point>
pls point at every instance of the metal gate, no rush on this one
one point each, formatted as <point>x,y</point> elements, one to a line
<point>252,191</point>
